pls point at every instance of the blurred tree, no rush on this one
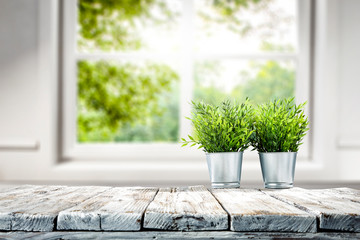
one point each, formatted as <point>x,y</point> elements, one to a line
<point>273,80</point>
<point>139,102</point>
<point>162,127</point>
<point>114,24</point>
<point>234,15</point>
<point>111,95</point>
<point>117,101</point>
<point>231,14</point>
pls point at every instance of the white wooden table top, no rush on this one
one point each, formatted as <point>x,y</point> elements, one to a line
<point>61,208</point>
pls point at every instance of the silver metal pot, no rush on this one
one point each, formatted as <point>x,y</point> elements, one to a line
<point>224,169</point>
<point>278,169</point>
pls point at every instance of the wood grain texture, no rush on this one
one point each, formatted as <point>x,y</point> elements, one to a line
<point>41,208</point>
<point>344,193</point>
<point>177,235</point>
<point>6,189</point>
<point>335,212</point>
<point>185,209</point>
<point>9,197</point>
<point>118,209</point>
<point>252,210</point>
<point>36,208</point>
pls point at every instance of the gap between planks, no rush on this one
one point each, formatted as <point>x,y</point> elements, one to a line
<point>117,209</point>
<point>229,216</point>
<point>185,209</point>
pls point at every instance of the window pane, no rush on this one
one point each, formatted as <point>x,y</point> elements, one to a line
<point>216,81</point>
<point>127,102</point>
<point>245,26</point>
<point>138,101</point>
<point>128,25</point>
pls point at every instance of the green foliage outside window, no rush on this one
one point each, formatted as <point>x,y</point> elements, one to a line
<point>271,81</point>
<point>233,14</point>
<point>116,95</point>
<point>124,102</point>
<point>129,102</point>
<point>113,24</point>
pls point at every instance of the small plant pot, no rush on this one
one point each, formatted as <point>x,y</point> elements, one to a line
<point>224,169</point>
<point>278,169</point>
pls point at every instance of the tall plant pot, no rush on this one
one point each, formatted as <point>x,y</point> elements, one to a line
<point>224,169</point>
<point>278,169</point>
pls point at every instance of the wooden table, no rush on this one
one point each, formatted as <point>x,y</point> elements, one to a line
<point>191,212</point>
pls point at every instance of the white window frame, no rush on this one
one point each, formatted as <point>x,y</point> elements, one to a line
<point>71,150</point>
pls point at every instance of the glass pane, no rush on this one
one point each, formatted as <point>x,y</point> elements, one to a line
<point>216,81</point>
<point>120,101</point>
<point>128,25</point>
<point>225,26</point>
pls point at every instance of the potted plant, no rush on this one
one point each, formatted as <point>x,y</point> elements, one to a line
<point>223,132</point>
<point>280,125</point>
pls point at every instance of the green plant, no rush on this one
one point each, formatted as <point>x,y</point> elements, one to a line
<point>280,125</point>
<point>221,129</point>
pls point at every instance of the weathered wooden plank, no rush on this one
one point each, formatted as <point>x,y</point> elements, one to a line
<point>35,209</point>
<point>252,210</point>
<point>13,190</point>
<point>334,211</point>
<point>177,235</point>
<point>10,196</point>
<point>185,209</point>
<point>345,193</point>
<point>10,188</point>
<point>118,209</point>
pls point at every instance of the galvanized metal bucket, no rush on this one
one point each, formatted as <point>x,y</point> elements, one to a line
<point>278,169</point>
<point>225,169</point>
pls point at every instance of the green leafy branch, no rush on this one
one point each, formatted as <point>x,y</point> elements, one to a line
<point>115,24</point>
<point>111,94</point>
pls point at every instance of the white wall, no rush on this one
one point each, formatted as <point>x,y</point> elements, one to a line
<point>19,82</point>
<point>28,109</point>
<point>20,108</point>
<point>349,89</point>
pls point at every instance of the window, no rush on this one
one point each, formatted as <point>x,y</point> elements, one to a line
<point>132,67</point>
